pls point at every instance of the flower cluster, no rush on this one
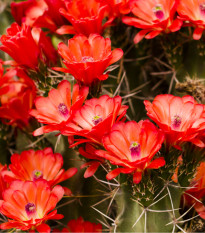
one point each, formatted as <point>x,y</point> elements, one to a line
<point>56,80</point>
<point>29,189</point>
<point>154,17</point>
<point>131,145</point>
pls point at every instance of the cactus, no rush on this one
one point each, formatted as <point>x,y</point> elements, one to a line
<point>150,192</point>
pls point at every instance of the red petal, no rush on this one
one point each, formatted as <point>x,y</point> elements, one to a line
<point>91,169</point>
<point>65,29</point>
<point>140,35</point>
<point>43,228</point>
<point>116,55</point>
<point>157,163</point>
<point>176,25</point>
<point>70,172</point>
<point>67,191</point>
<point>103,77</point>
<point>58,191</point>
<point>111,175</point>
<point>152,34</point>
<point>137,177</point>
<point>198,33</point>
<point>198,142</point>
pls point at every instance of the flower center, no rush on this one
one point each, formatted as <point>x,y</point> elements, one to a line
<point>135,150</point>
<point>87,59</point>
<point>96,119</point>
<point>37,174</point>
<point>158,11</point>
<point>30,209</point>
<point>176,121</point>
<point>202,8</point>
<point>62,108</point>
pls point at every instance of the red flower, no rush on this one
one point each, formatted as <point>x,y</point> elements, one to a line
<point>28,46</point>
<point>80,225</point>
<point>95,118</point>
<point>132,146</point>
<point>87,58</point>
<point>86,17</point>
<point>181,119</point>
<point>196,193</point>
<point>194,12</point>
<point>39,13</point>
<point>42,164</point>
<point>56,109</point>
<point>17,93</point>
<point>153,17</point>
<point>29,204</point>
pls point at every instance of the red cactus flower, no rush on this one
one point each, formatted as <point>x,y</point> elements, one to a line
<point>86,17</point>
<point>42,164</point>
<point>95,119</point>
<point>56,109</point>
<point>39,13</point>
<point>27,47</point>
<point>193,11</point>
<point>132,146</point>
<point>153,17</point>
<point>181,119</point>
<point>87,58</point>
<point>17,94</point>
<point>29,204</point>
<point>195,194</point>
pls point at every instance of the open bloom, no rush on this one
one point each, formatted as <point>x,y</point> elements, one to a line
<point>39,13</point>
<point>87,58</point>
<point>132,146</point>
<point>79,225</point>
<point>193,11</point>
<point>17,94</point>
<point>41,164</point>
<point>56,109</point>
<point>195,194</point>
<point>181,119</point>
<point>86,17</point>
<point>28,46</point>
<point>29,204</point>
<point>153,17</point>
<point>95,118</point>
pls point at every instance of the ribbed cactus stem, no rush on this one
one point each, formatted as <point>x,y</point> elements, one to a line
<point>128,211</point>
<point>159,216</point>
